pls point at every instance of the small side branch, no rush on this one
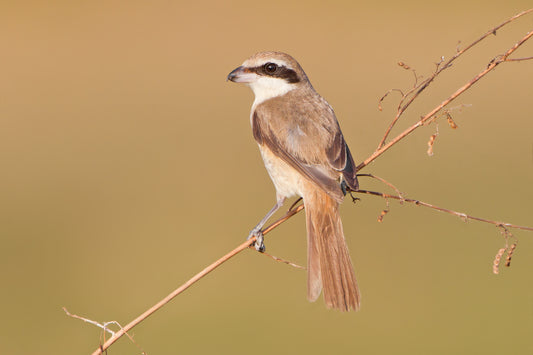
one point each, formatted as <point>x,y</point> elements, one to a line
<point>518,59</point>
<point>400,195</point>
<point>275,258</point>
<point>465,217</point>
<point>105,328</point>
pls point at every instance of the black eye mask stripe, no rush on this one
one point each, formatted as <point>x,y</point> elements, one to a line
<point>282,72</point>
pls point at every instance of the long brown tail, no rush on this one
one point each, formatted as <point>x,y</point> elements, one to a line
<point>328,261</point>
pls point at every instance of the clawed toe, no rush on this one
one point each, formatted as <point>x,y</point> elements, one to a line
<point>259,243</point>
<point>259,240</point>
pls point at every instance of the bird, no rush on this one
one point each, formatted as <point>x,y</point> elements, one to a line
<point>305,154</point>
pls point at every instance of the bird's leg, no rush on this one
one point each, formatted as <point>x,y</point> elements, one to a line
<point>257,232</point>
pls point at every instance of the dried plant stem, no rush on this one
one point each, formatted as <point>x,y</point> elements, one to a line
<point>463,216</point>
<point>417,89</point>
<point>385,182</point>
<point>192,281</point>
<point>518,59</point>
<point>104,326</point>
<point>493,64</point>
<point>273,257</point>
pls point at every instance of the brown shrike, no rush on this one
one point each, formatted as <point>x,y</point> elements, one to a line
<point>305,154</point>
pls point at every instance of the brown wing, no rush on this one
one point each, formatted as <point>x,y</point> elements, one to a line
<point>307,137</point>
<point>341,159</point>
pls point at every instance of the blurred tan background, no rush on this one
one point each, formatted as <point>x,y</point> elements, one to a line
<point>128,165</point>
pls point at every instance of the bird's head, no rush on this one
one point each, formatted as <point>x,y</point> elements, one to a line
<point>270,74</point>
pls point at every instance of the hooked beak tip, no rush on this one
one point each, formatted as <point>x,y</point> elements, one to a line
<point>233,76</point>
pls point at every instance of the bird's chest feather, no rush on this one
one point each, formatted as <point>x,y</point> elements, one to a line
<point>287,180</point>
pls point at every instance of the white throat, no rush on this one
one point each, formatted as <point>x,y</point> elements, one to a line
<point>265,88</point>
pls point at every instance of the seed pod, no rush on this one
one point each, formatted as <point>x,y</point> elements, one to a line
<point>430,144</point>
<point>496,263</point>
<point>510,252</point>
<point>451,122</point>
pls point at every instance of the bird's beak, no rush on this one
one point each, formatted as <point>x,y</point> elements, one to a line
<point>241,75</point>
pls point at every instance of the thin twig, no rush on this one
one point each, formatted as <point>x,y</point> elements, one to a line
<point>104,326</point>
<point>273,257</point>
<point>386,183</point>
<point>99,325</point>
<point>461,215</point>
<point>518,59</point>
<point>387,94</point>
<point>382,147</point>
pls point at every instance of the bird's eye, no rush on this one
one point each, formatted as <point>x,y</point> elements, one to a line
<point>270,68</point>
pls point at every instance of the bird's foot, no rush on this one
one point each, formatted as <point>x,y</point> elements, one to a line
<point>343,187</point>
<point>259,240</point>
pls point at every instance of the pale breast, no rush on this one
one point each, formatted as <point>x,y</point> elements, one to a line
<point>287,181</point>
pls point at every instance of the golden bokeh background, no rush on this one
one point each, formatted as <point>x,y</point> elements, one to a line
<point>128,165</point>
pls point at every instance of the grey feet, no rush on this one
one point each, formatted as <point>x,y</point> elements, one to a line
<point>259,240</point>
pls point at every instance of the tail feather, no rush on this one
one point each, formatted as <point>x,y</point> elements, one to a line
<point>329,265</point>
<point>314,277</point>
